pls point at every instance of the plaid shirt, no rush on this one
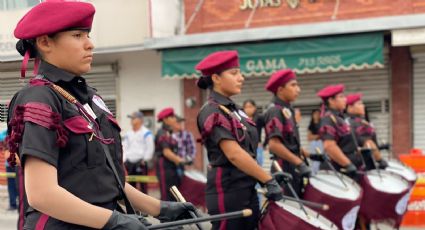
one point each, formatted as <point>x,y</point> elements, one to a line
<point>186,144</point>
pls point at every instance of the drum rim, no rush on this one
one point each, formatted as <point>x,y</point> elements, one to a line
<point>196,171</point>
<point>310,210</point>
<point>405,167</point>
<point>352,183</point>
<point>395,175</point>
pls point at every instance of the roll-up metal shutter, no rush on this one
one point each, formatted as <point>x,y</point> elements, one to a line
<point>102,77</point>
<point>374,84</point>
<point>419,99</point>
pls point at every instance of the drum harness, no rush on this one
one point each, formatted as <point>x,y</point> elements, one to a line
<point>359,148</point>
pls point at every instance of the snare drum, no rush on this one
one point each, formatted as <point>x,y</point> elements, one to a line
<point>288,215</point>
<point>192,187</point>
<point>344,200</point>
<point>383,225</point>
<point>403,170</point>
<point>385,196</point>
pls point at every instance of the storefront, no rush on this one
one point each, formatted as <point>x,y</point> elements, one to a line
<point>359,61</point>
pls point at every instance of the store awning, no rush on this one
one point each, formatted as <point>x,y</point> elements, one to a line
<point>313,55</point>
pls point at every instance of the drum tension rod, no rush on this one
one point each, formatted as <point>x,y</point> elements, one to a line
<point>279,169</point>
<point>330,165</point>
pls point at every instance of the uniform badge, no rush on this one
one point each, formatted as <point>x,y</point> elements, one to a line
<point>101,104</point>
<point>286,113</point>
<point>243,114</point>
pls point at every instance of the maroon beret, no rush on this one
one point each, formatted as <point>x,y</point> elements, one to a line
<point>218,62</point>
<point>54,16</point>
<point>279,78</point>
<point>330,90</point>
<point>167,112</point>
<point>353,98</point>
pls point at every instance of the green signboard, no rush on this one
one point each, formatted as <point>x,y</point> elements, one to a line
<point>313,55</point>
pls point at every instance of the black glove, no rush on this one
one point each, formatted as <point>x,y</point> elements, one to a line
<point>303,170</point>
<point>384,147</point>
<point>171,211</point>
<point>350,170</point>
<point>274,191</point>
<point>318,157</point>
<point>282,177</point>
<point>124,221</point>
<point>382,164</point>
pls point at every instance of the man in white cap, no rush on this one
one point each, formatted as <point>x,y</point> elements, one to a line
<point>138,146</point>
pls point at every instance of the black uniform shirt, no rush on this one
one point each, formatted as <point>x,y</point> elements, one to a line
<point>164,139</point>
<point>363,129</point>
<point>46,126</point>
<point>216,125</point>
<point>280,122</point>
<point>333,126</point>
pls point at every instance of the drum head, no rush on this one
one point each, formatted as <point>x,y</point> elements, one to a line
<point>313,218</point>
<point>196,175</point>
<point>382,225</point>
<point>327,182</point>
<point>387,182</point>
<point>399,168</point>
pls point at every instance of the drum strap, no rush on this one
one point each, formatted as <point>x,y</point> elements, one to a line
<point>71,99</point>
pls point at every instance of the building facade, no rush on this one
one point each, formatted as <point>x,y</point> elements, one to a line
<point>372,46</point>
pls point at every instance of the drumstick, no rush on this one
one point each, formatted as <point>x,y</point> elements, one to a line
<point>323,207</point>
<point>225,216</point>
<point>279,169</point>
<point>179,197</point>
<point>330,165</point>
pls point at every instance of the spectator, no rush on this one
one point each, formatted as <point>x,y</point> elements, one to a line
<point>250,108</point>
<point>11,182</point>
<point>313,136</point>
<point>185,142</point>
<point>138,146</point>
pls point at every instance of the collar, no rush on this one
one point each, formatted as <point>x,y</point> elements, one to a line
<point>355,116</point>
<point>167,128</point>
<point>336,112</point>
<point>278,101</point>
<point>220,99</point>
<point>55,74</point>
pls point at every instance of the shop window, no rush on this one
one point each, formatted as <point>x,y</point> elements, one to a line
<point>17,4</point>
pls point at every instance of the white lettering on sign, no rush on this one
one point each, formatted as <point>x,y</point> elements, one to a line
<point>250,4</point>
<point>260,65</point>
<point>320,61</point>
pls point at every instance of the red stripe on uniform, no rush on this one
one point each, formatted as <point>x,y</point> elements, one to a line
<point>41,223</point>
<point>162,182</point>
<point>21,198</point>
<point>221,207</point>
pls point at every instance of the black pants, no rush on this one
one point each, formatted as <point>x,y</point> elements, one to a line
<point>234,201</point>
<point>166,171</point>
<point>297,181</point>
<point>139,168</point>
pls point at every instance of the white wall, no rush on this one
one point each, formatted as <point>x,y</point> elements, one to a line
<point>120,23</point>
<point>166,17</point>
<point>142,87</point>
<point>116,24</point>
